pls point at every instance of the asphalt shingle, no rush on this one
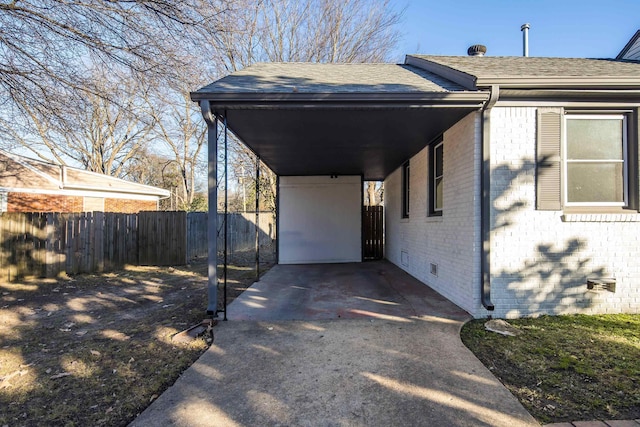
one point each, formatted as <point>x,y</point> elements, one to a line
<point>522,67</point>
<point>331,78</point>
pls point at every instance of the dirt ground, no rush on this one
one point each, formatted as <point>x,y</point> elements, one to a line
<point>97,349</point>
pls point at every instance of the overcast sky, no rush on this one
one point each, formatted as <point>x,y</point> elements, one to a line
<point>565,28</point>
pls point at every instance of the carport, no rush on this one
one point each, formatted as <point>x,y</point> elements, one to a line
<point>328,120</point>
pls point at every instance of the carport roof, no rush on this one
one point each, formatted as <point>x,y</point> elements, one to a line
<point>343,119</point>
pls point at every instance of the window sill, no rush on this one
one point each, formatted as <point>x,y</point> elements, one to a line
<point>601,217</point>
<point>435,218</point>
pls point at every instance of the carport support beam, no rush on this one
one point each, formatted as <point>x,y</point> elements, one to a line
<point>257,218</point>
<point>226,212</point>
<point>212,220</point>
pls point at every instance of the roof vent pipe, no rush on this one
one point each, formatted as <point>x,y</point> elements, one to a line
<point>477,50</point>
<point>525,39</point>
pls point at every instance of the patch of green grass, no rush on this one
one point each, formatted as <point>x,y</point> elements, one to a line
<point>566,368</point>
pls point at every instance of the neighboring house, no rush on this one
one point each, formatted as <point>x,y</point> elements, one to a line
<point>28,185</point>
<point>512,184</point>
<point>632,50</point>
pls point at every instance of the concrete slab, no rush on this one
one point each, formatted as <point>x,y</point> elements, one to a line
<point>340,291</point>
<point>384,355</point>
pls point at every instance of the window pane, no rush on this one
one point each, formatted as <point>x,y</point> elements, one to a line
<point>595,182</point>
<point>438,201</point>
<point>439,160</point>
<point>594,139</point>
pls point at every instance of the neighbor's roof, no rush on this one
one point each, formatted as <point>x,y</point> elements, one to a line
<point>474,72</point>
<point>23,173</point>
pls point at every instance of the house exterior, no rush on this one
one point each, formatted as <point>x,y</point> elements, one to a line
<point>631,51</point>
<point>28,185</point>
<point>512,184</point>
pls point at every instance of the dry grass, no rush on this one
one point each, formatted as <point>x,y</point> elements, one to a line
<point>97,350</point>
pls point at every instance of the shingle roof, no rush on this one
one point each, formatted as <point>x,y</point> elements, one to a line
<point>331,78</point>
<point>518,66</point>
<point>23,172</point>
<point>488,69</point>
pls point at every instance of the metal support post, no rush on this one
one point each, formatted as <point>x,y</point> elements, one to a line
<point>212,220</point>
<point>226,210</point>
<point>257,218</point>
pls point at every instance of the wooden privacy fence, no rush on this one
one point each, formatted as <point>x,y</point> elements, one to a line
<point>242,231</point>
<point>373,232</point>
<point>47,244</point>
<point>162,238</point>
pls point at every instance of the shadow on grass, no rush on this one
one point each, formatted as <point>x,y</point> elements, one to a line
<point>567,368</point>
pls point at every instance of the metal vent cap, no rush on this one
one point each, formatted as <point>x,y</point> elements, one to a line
<point>477,50</point>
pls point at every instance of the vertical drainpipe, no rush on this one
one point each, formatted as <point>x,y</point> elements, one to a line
<point>485,206</point>
<point>212,221</point>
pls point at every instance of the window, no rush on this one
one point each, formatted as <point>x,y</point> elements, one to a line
<point>595,171</point>
<point>436,176</point>
<point>405,190</point>
<point>587,160</point>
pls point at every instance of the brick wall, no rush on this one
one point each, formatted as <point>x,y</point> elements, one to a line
<point>450,241</point>
<point>540,259</point>
<point>27,202</point>
<point>129,206</point>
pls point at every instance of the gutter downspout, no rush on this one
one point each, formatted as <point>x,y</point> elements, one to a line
<point>485,205</point>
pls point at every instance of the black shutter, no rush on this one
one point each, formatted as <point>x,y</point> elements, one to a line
<point>548,188</point>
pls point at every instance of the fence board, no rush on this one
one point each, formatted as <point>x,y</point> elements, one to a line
<point>373,232</point>
<point>162,239</point>
<point>48,244</point>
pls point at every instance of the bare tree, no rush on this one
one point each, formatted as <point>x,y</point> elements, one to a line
<point>302,31</point>
<point>98,133</point>
<point>45,44</point>
<point>54,100</point>
<point>308,31</point>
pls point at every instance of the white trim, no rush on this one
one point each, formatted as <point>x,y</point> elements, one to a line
<point>33,169</point>
<point>3,201</point>
<point>625,161</point>
<point>434,168</point>
<point>104,194</point>
<point>575,104</point>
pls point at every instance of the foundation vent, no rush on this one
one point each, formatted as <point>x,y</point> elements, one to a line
<point>434,269</point>
<point>601,284</point>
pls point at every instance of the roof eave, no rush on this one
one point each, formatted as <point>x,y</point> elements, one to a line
<point>586,83</point>
<point>342,100</point>
<point>155,192</point>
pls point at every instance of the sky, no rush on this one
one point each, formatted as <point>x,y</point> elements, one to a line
<point>563,28</point>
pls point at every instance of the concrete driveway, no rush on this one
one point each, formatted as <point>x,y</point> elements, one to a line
<point>338,345</point>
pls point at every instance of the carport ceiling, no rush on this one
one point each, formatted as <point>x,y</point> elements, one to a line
<point>342,142</point>
<point>342,119</point>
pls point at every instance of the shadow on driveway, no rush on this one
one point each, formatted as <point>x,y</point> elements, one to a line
<point>338,345</point>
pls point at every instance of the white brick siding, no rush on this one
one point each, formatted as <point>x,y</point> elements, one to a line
<point>540,259</point>
<point>450,241</point>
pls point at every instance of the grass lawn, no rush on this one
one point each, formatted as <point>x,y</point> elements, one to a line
<point>566,368</point>
<point>97,349</point>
